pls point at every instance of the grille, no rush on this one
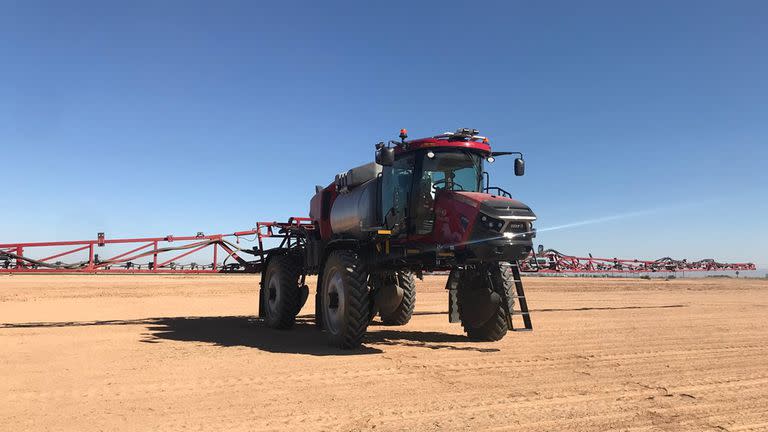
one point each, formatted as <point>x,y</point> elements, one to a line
<point>516,227</point>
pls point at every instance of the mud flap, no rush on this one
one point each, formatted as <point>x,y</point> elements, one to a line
<point>261,312</point>
<point>318,309</point>
<point>453,296</point>
<point>478,306</point>
<point>479,301</point>
<point>388,298</point>
<point>303,294</point>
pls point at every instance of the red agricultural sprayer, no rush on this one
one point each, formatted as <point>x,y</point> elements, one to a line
<point>423,205</point>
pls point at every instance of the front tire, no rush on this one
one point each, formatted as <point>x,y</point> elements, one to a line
<point>481,293</point>
<point>345,300</point>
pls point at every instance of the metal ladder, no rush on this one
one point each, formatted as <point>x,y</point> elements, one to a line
<point>519,295</point>
<point>453,312</point>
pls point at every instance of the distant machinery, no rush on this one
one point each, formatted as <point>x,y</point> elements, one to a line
<point>553,261</point>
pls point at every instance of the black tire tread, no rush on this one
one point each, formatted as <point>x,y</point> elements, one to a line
<point>289,268</point>
<point>358,306</point>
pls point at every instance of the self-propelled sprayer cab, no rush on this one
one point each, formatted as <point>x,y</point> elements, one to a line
<point>431,198</point>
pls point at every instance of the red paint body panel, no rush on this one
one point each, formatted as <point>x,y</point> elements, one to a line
<point>450,208</point>
<point>425,143</point>
<point>320,210</point>
<point>454,217</point>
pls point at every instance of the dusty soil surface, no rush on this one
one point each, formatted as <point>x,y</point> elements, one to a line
<point>175,353</point>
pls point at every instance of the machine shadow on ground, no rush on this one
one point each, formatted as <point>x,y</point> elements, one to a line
<point>250,332</point>
<point>303,338</point>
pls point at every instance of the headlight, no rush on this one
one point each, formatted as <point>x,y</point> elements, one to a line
<point>492,224</point>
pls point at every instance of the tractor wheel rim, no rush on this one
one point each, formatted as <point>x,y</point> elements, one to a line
<point>335,304</point>
<point>273,294</point>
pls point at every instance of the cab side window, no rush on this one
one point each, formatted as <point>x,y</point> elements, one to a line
<point>396,186</point>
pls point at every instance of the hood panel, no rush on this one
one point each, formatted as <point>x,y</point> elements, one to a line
<point>492,204</point>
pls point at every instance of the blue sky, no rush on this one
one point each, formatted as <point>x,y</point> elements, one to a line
<point>150,118</point>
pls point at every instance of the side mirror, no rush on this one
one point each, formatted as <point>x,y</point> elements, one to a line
<point>385,156</point>
<point>519,166</point>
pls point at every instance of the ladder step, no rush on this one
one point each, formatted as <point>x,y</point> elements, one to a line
<point>519,313</point>
<point>517,296</point>
<point>522,329</point>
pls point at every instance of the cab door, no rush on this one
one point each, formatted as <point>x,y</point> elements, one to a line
<point>396,191</point>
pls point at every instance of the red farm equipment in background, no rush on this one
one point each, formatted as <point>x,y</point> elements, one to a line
<point>552,261</point>
<point>154,254</point>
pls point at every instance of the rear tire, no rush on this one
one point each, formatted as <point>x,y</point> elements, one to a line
<point>404,311</point>
<point>282,294</point>
<point>345,299</point>
<point>475,284</point>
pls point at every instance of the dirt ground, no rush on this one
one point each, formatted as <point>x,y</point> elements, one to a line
<point>169,353</point>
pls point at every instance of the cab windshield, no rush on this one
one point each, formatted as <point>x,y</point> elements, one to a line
<point>452,170</point>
